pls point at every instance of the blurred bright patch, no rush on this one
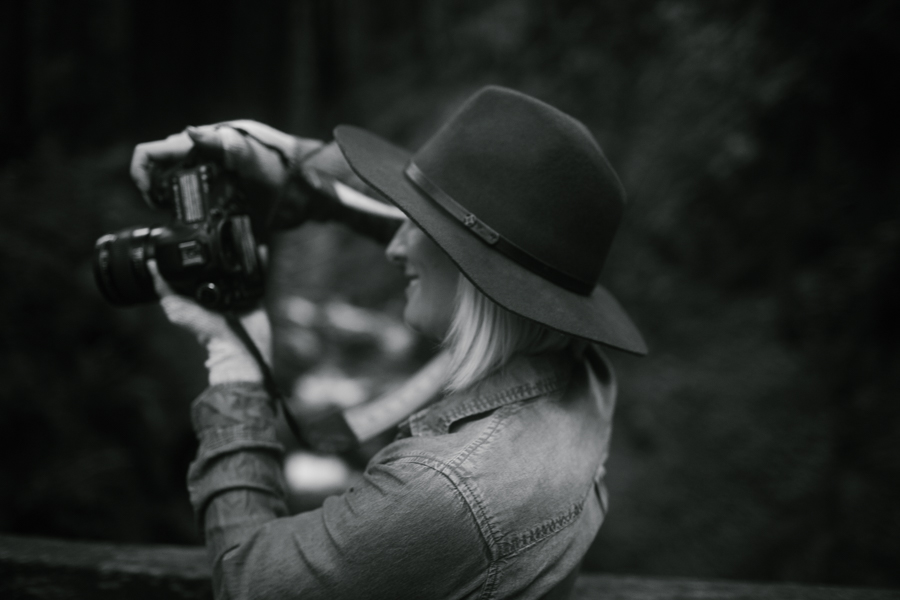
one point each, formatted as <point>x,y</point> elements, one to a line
<point>325,389</point>
<point>313,474</point>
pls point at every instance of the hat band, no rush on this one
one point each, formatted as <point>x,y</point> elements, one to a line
<point>491,237</point>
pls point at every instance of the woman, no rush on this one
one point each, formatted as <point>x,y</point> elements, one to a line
<point>495,490</point>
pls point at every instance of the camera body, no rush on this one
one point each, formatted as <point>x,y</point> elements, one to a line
<point>209,252</point>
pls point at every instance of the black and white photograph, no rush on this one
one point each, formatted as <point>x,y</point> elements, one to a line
<point>474,299</point>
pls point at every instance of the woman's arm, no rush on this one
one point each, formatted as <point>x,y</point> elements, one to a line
<point>402,531</point>
<point>287,179</point>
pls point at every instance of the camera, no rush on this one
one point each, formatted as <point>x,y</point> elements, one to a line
<point>209,252</point>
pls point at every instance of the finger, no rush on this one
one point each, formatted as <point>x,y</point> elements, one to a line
<point>263,252</point>
<point>145,155</point>
<point>268,136</point>
<point>186,313</point>
<point>239,154</point>
<point>208,141</point>
<point>159,284</point>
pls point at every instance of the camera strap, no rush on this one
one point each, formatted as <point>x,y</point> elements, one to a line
<point>340,431</point>
<point>268,379</point>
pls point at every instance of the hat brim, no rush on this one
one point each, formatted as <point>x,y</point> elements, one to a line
<point>597,317</point>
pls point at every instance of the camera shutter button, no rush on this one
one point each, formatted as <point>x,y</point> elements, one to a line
<point>208,294</point>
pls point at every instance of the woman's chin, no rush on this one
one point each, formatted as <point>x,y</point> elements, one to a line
<point>421,326</point>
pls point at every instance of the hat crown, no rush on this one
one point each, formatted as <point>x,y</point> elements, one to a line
<point>533,174</point>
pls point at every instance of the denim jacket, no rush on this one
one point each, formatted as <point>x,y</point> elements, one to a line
<point>494,492</point>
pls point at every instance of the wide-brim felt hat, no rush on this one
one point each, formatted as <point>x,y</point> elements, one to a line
<point>524,202</point>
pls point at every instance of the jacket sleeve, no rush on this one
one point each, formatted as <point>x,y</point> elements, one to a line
<point>323,187</point>
<point>403,531</point>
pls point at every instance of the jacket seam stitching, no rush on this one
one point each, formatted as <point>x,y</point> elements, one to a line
<point>547,529</point>
<point>492,575</point>
<point>489,589</point>
<point>541,532</point>
<point>469,497</point>
<point>496,419</point>
<point>478,404</point>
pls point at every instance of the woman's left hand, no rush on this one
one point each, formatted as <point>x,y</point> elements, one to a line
<point>228,359</point>
<point>263,158</point>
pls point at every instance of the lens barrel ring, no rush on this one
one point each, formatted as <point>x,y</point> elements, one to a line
<point>120,266</point>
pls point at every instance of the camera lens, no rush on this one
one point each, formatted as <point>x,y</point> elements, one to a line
<point>120,266</point>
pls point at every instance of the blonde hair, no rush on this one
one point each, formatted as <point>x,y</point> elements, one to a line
<point>483,337</point>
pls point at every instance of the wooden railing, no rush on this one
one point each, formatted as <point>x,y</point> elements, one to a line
<point>39,568</point>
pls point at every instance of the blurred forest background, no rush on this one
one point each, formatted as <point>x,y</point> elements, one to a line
<point>760,254</point>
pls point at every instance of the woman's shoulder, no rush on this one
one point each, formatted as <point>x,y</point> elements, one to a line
<point>530,445</point>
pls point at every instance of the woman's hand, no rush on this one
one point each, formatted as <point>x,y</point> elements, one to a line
<point>262,157</point>
<point>228,359</point>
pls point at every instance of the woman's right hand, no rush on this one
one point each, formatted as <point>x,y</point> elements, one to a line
<point>228,359</point>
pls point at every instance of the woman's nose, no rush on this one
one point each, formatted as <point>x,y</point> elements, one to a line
<point>396,250</point>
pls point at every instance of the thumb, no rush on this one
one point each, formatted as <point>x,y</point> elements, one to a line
<point>159,284</point>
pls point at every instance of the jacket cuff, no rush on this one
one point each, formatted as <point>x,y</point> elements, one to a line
<point>242,457</point>
<point>232,404</point>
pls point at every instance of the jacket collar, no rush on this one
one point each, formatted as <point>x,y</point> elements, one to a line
<point>522,378</point>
